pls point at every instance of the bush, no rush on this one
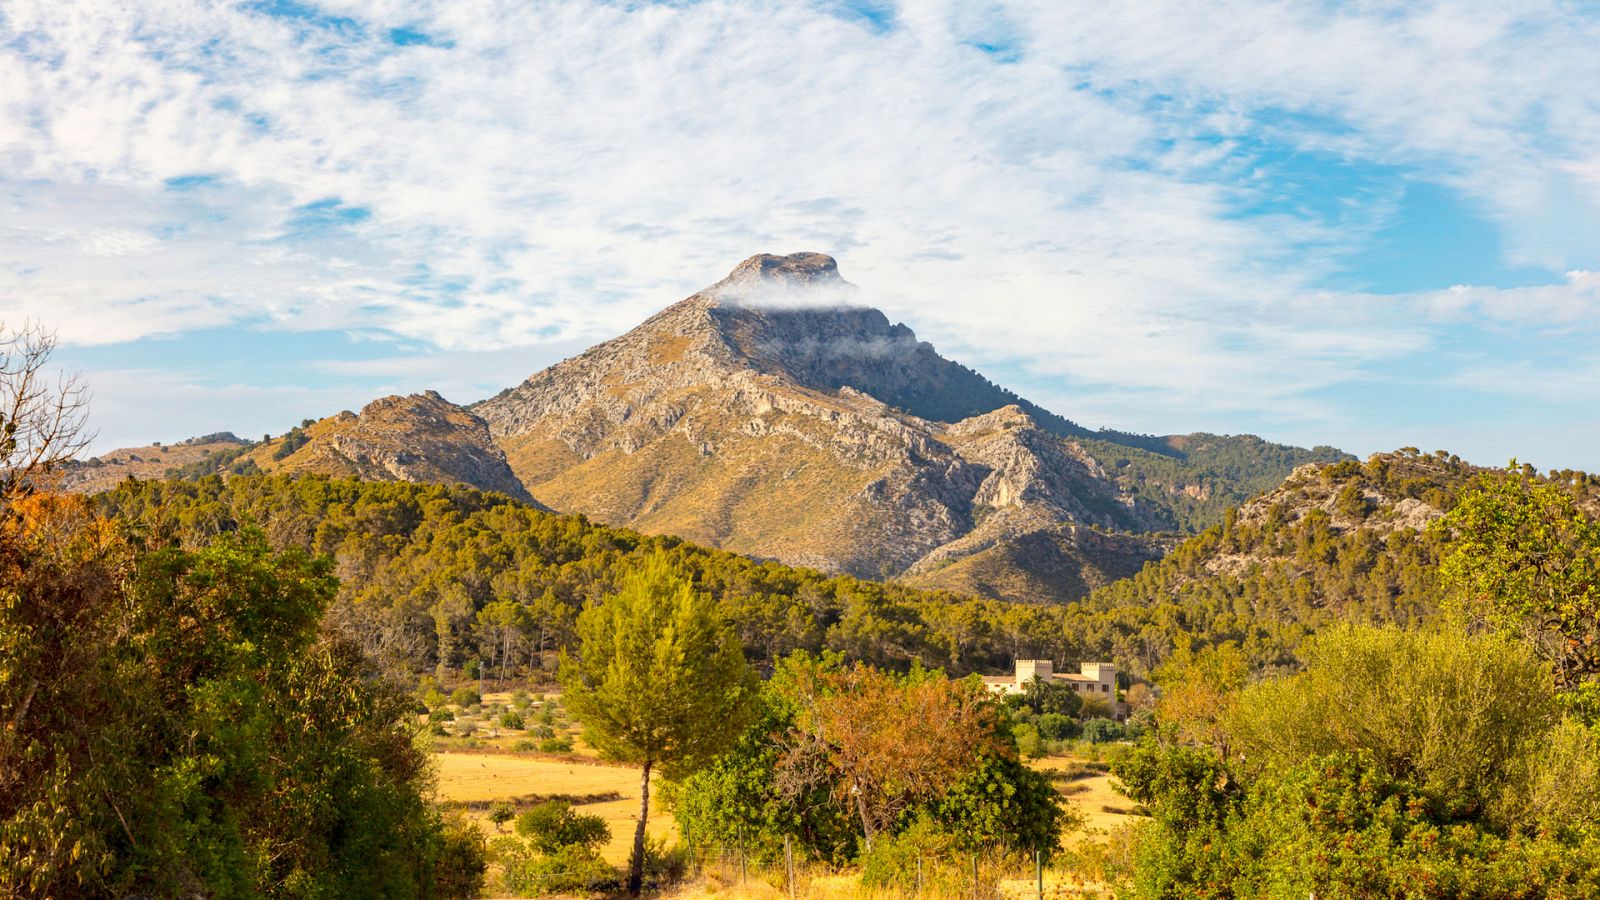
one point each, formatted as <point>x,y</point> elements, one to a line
<point>442,715</point>
<point>569,870</point>
<point>465,727</point>
<point>1028,742</point>
<point>511,720</point>
<point>525,746</point>
<point>1102,731</point>
<point>556,745</point>
<point>1057,727</point>
<point>500,813</point>
<point>464,696</point>
<point>519,700</point>
<point>553,825</point>
<point>542,732</point>
<point>923,851</point>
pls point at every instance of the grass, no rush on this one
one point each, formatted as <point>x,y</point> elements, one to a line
<point>474,779</point>
<point>474,773</point>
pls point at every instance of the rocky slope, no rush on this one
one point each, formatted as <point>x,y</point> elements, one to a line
<point>773,415</point>
<point>154,461</point>
<point>422,437</point>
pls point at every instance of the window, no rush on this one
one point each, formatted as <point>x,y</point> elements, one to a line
<point>1105,688</point>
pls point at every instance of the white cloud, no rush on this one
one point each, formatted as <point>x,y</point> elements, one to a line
<point>555,172</point>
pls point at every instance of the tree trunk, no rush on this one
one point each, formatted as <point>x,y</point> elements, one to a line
<point>636,867</point>
<point>867,832</point>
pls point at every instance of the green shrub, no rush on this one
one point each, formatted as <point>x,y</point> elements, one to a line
<point>1102,731</point>
<point>556,745</point>
<point>569,870</point>
<point>1057,727</point>
<point>511,720</point>
<point>1028,742</point>
<point>442,715</point>
<point>922,856</point>
<point>464,696</point>
<point>500,813</point>
<point>553,825</point>
<point>525,746</point>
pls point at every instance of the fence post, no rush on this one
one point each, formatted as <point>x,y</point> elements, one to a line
<point>741,854</point>
<point>1038,870</point>
<point>788,859</point>
<point>974,876</point>
<point>917,890</point>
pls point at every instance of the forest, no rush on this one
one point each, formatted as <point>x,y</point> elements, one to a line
<point>431,576</point>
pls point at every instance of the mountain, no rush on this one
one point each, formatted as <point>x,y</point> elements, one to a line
<point>774,415</point>
<point>419,438</point>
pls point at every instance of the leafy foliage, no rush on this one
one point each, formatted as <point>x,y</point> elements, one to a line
<point>1397,763</point>
<point>658,681</point>
<point>1526,561</point>
<point>177,723</point>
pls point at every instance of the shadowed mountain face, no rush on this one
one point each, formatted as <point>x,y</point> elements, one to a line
<point>774,415</point>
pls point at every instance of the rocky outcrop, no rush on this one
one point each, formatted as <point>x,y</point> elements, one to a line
<point>421,437</point>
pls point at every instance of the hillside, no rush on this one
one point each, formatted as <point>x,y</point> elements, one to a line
<point>195,455</point>
<point>1335,542</point>
<point>417,438</point>
<point>421,437</point>
<point>772,415</point>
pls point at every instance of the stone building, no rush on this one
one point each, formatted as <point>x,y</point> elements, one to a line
<point>1091,679</point>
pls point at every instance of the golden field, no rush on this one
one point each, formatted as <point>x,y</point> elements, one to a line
<point>481,776</point>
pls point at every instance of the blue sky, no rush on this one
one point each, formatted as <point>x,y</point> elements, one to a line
<point>1371,225</point>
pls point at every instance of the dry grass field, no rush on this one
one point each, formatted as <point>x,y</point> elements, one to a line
<point>479,777</point>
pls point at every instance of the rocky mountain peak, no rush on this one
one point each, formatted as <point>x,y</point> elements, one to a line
<point>794,270</point>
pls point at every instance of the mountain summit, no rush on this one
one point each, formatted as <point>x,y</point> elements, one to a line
<point>773,414</point>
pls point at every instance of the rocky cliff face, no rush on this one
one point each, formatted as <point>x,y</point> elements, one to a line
<point>769,414</point>
<point>421,437</point>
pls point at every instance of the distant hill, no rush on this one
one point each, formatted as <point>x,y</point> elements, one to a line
<point>192,457</point>
<point>418,438</point>
<point>1333,542</point>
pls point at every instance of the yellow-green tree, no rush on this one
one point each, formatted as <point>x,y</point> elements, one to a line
<point>659,681</point>
<point>1526,561</point>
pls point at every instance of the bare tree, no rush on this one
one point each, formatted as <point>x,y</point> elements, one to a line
<point>42,415</point>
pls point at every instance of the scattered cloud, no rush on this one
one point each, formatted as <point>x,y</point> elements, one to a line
<point>1146,216</point>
